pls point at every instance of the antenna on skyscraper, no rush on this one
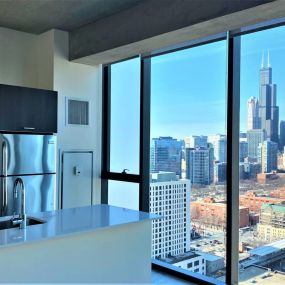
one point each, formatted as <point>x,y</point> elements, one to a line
<point>262,60</point>
<point>268,61</point>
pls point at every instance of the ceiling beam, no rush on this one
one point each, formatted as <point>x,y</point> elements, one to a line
<point>155,24</point>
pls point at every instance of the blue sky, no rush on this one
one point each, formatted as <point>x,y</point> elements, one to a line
<point>189,87</point>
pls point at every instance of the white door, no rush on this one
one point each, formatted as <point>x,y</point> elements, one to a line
<point>77,178</point>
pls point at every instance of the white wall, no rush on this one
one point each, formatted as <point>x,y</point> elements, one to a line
<point>78,81</point>
<point>16,63</point>
<point>41,61</point>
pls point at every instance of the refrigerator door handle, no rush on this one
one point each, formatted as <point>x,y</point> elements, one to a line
<point>4,180</point>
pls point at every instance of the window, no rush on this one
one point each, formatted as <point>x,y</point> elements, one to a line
<point>188,142</point>
<point>187,148</point>
<point>125,122</point>
<point>123,194</point>
<point>262,141</point>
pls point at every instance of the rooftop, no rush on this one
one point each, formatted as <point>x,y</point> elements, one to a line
<point>274,207</point>
<point>185,256</point>
<point>210,257</point>
<point>269,248</point>
<point>259,275</point>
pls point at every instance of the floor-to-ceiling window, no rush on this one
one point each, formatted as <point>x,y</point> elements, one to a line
<point>188,158</point>
<point>167,148</point>
<point>122,128</point>
<point>262,168</point>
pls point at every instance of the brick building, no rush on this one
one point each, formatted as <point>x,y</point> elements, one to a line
<point>278,193</point>
<point>213,213</point>
<point>253,201</point>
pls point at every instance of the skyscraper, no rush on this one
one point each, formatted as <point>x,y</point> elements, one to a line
<point>268,111</point>
<point>170,197</point>
<point>200,165</point>
<point>196,141</point>
<point>282,136</point>
<point>219,143</point>
<point>267,156</point>
<point>165,155</point>
<point>243,150</point>
<point>252,114</point>
<point>254,138</point>
<point>220,172</point>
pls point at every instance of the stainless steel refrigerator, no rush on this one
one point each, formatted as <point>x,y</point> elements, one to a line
<point>32,158</point>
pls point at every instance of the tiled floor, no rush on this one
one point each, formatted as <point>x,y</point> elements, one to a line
<point>162,278</point>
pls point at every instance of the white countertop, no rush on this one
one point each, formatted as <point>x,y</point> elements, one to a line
<point>72,221</point>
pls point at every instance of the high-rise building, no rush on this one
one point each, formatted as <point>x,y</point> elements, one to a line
<point>254,138</point>
<point>165,155</point>
<point>282,136</point>
<point>251,169</point>
<point>268,110</point>
<point>220,172</point>
<point>200,165</point>
<point>219,143</point>
<point>243,150</point>
<point>170,198</point>
<point>267,156</point>
<point>196,141</point>
<point>252,114</point>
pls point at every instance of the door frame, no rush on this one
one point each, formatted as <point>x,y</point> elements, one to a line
<point>60,171</point>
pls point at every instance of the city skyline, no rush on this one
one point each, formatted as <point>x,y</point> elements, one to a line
<point>198,61</point>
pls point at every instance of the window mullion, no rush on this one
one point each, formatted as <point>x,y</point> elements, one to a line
<point>233,107</point>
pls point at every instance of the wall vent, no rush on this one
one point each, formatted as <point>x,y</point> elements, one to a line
<point>77,112</point>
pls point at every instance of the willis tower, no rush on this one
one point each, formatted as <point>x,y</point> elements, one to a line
<point>268,111</point>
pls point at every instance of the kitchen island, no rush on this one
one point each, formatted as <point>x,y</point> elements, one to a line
<point>94,244</point>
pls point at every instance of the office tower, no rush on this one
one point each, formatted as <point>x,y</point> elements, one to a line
<point>252,114</point>
<point>254,138</point>
<point>242,172</point>
<point>251,169</point>
<point>268,111</point>
<point>243,150</point>
<point>200,165</point>
<point>282,136</point>
<point>267,156</point>
<point>219,143</point>
<point>165,155</point>
<point>196,141</point>
<point>242,135</point>
<point>170,198</point>
<point>220,172</point>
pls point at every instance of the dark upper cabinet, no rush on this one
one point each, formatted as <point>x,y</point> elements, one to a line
<point>27,110</point>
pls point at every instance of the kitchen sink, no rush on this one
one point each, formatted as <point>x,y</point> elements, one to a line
<point>7,223</point>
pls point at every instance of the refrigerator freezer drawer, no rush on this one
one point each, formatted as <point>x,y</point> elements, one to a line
<point>27,154</point>
<point>40,194</point>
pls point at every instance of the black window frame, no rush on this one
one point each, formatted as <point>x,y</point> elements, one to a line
<point>233,110</point>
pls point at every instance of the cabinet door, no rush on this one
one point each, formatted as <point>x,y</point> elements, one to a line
<point>77,176</point>
<point>27,109</point>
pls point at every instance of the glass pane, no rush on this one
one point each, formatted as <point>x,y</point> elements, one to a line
<point>123,194</point>
<point>262,125</point>
<point>188,158</point>
<point>125,116</point>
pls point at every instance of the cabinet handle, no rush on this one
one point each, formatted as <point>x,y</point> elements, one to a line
<point>4,179</point>
<point>29,128</point>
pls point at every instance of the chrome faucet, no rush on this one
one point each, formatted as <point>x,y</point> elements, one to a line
<point>22,219</point>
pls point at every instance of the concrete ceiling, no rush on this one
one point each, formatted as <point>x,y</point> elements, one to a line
<point>147,26</point>
<point>38,16</point>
